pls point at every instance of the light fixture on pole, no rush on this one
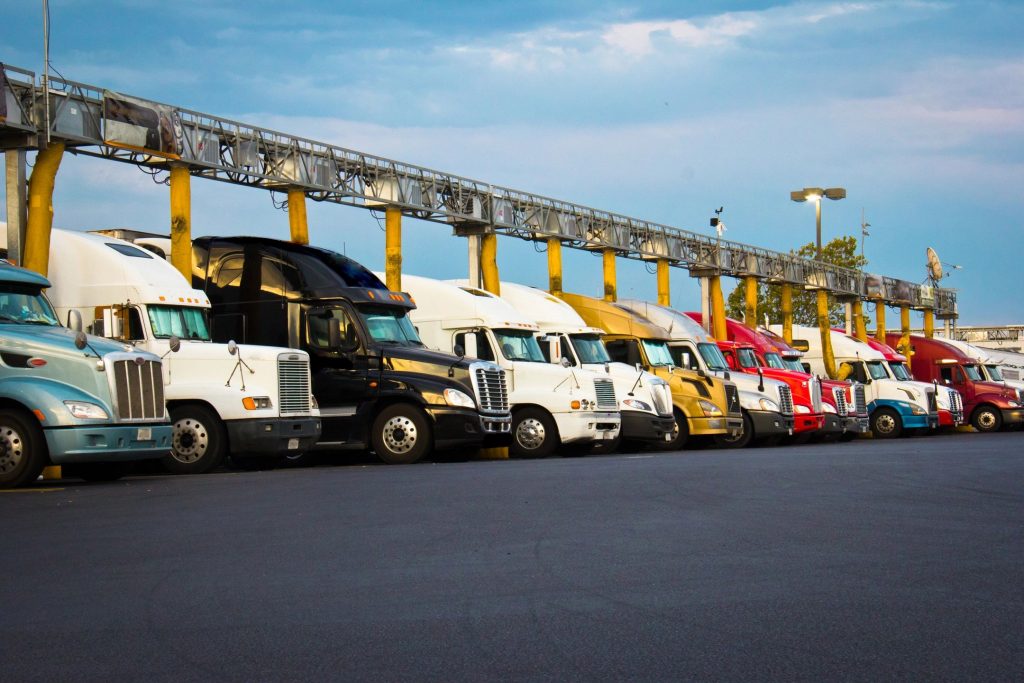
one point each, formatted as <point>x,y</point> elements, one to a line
<point>864,225</point>
<point>814,194</point>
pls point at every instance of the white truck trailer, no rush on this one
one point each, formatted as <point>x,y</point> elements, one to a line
<point>551,405</point>
<point>252,402</point>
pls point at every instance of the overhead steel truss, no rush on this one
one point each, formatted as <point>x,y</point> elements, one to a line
<point>238,153</point>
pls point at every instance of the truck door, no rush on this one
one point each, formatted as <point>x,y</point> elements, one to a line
<point>341,377</point>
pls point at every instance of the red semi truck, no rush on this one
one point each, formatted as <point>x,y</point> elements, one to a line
<point>989,406</point>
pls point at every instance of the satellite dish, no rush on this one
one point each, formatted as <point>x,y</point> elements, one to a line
<point>934,265</point>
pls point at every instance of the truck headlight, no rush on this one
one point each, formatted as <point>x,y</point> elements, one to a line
<point>257,402</point>
<point>454,397</point>
<point>917,410</point>
<point>636,404</point>
<point>709,408</point>
<point>86,411</point>
<point>1013,404</point>
<point>769,405</point>
<point>801,410</point>
<point>828,408</point>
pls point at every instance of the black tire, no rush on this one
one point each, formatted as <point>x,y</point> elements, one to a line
<point>22,449</point>
<point>743,440</point>
<point>401,435</point>
<point>680,435</point>
<point>96,471</point>
<point>199,443</point>
<point>886,423</point>
<point>534,434</point>
<point>986,418</point>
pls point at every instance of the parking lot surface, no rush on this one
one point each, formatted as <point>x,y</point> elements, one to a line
<point>870,560</point>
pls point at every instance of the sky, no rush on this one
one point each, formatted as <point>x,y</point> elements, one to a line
<point>659,110</point>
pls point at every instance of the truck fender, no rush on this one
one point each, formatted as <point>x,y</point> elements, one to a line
<point>48,396</point>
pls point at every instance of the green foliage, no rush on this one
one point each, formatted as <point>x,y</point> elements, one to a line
<point>842,251</point>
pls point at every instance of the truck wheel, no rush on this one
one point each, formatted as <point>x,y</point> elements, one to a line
<point>534,434</point>
<point>199,442</point>
<point>987,419</point>
<point>680,434</point>
<point>886,424</point>
<point>22,449</point>
<point>742,439</point>
<point>401,435</point>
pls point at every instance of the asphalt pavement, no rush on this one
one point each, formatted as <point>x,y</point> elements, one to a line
<point>864,561</point>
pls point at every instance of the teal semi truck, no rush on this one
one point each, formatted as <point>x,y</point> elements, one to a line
<point>69,399</point>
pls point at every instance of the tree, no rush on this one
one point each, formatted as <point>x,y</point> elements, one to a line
<point>841,251</point>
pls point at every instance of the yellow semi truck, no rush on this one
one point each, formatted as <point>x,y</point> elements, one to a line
<point>703,405</point>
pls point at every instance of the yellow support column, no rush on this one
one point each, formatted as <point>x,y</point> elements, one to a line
<point>489,263</point>
<point>555,266</point>
<point>181,220</point>
<point>297,223</point>
<point>750,302</point>
<point>828,356</point>
<point>929,323</point>
<point>40,208</point>
<point>718,329</point>
<point>880,322</point>
<point>609,275</point>
<point>905,332</point>
<point>859,329</point>
<point>664,293</point>
<point>787,313</point>
<point>393,248</point>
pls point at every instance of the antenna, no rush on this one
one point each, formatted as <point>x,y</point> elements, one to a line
<point>934,265</point>
<point>864,225</point>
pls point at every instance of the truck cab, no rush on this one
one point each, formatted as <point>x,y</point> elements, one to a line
<point>989,367</point>
<point>553,406</point>
<point>989,406</point>
<point>767,403</point>
<point>948,399</point>
<point>645,401</point>
<point>376,383</point>
<point>69,399</point>
<point>704,405</point>
<point>250,402</point>
<point>895,407</point>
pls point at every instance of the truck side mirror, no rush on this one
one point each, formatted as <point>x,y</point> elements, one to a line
<point>232,347</point>
<point>459,351</point>
<point>81,341</point>
<point>334,334</point>
<point>74,320</point>
<point>174,343</point>
<point>565,362</point>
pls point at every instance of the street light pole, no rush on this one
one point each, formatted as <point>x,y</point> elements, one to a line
<point>817,224</point>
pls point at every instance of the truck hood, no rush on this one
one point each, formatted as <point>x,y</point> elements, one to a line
<point>425,356</point>
<point>61,340</point>
<point>198,350</point>
<point>997,388</point>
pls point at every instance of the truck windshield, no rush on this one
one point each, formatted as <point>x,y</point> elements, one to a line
<point>25,304</point>
<point>589,348</point>
<point>390,325</point>
<point>748,359</point>
<point>972,372</point>
<point>712,355</point>
<point>519,345</point>
<point>876,369</point>
<point>994,373</point>
<point>899,370</point>
<point>774,360</point>
<point>183,322</point>
<point>657,352</point>
<point>793,364</point>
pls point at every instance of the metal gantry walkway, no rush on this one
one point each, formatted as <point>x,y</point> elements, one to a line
<point>242,154</point>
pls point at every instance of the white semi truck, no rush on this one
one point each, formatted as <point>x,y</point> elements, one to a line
<point>895,406</point>
<point>645,401</point>
<point>767,403</point>
<point>552,405</point>
<point>252,402</point>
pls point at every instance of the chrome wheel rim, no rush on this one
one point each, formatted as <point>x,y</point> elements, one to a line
<point>885,424</point>
<point>12,449</point>
<point>400,434</point>
<point>530,433</point>
<point>987,420</point>
<point>191,440</point>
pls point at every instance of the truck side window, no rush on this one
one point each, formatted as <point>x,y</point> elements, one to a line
<point>623,351</point>
<point>730,358</point>
<point>319,329</point>
<point>959,376</point>
<point>133,330</point>
<point>483,346</point>
<point>947,374</point>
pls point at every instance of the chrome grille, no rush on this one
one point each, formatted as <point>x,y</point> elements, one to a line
<point>815,395</point>
<point>786,399</point>
<point>840,397</point>
<point>605,391</point>
<point>138,389</point>
<point>491,389</point>
<point>860,401</point>
<point>732,399</point>
<point>292,384</point>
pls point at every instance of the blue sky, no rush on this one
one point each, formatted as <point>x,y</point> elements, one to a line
<point>660,110</point>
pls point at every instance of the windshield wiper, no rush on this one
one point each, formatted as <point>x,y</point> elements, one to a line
<point>7,318</point>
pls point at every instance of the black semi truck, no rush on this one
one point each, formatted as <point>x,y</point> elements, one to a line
<point>376,384</point>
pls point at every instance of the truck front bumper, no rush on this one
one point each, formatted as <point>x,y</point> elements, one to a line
<point>273,437</point>
<point>1012,415</point>
<point>857,424</point>
<point>806,422</point>
<point>911,421</point>
<point>587,426</point>
<point>460,427</point>
<point>108,443</point>
<point>709,426</point>
<point>769,423</point>
<point>640,426</point>
<point>948,418</point>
